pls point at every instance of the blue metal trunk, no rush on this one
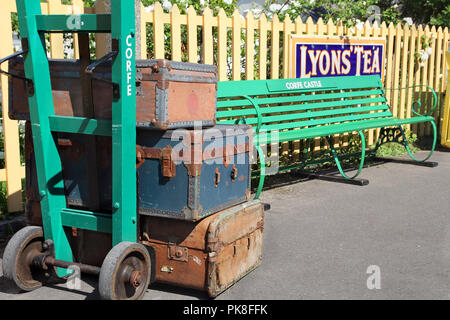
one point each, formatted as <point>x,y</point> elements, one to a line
<point>182,174</point>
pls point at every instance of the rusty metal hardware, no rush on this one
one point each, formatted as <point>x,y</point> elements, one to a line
<point>65,142</point>
<point>136,278</point>
<point>29,83</point>
<point>90,71</point>
<point>155,68</point>
<point>46,261</point>
<point>166,269</point>
<point>178,253</point>
<point>217,177</point>
<point>140,156</point>
<point>234,173</point>
<point>168,166</point>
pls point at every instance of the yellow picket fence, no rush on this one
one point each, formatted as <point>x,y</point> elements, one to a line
<point>242,48</point>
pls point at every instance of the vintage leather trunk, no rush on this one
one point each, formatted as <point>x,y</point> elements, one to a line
<point>196,176</point>
<point>210,255</point>
<point>169,94</point>
<point>173,180</point>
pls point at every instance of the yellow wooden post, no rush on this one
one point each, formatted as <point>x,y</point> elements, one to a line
<point>397,54</point>
<point>145,16</point>
<point>250,46</point>
<point>208,49</point>
<point>443,83</point>
<point>440,70</point>
<point>288,27</point>
<point>424,81</point>
<point>410,93</point>
<point>175,33</point>
<point>192,35</point>
<point>13,172</point>
<point>389,62</point>
<point>236,46</point>
<point>262,47</point>
<point>222,45</point>
<point>77,8</point>
<point>103,41</point>
<point>403,71</point>
<point>275,48</point>
<point>298,29</point>
<point>431,76</point>
<point>56,39</point>
<point>158,31</point>
<point>445,135</point>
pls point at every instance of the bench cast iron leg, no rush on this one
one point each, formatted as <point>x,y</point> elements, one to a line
<point>394,135</point>
<point>326,177</point>
<point>262,171</point>
<point>345,178</point>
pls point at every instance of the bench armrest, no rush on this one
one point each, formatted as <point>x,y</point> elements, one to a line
<point>258,112</point>
<point>417,102</point>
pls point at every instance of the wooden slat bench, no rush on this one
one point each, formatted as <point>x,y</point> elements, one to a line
<point>283,110</point>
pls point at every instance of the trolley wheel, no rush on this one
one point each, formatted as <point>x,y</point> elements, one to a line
<point>18,257</point>
<point>125,272</point>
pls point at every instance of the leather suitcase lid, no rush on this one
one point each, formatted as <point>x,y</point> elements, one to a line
<point>234,223</point>
<point>226,130</point>
<point>210,234</point>
<point>177,65</point>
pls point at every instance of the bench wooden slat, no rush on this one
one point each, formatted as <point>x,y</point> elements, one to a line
<point>323,131</point>
<point>306,106</point>
<point>298,98</point>
<point>330,114</point>
<point>313,122</point>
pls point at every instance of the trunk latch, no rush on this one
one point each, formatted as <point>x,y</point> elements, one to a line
<point>168,167</point>
<point>178,253</point>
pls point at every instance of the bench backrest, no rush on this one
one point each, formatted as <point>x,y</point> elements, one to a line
<point>297,103</point>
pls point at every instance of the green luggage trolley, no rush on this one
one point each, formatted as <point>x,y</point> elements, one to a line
<point>34,251</point>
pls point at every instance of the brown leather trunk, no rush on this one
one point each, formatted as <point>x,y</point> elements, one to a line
<point>210,255</point>
<point>169,94</point>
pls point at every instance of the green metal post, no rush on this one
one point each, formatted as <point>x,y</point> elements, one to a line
<point>40,100</point>
<point>124,122</point>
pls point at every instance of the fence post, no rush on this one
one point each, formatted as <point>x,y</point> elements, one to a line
<point>410,93</point>
<point>208,49</point>
<point>222,45</point>
<point>275,48</point>
<point>249,46</point>
<point>263,27</point>
<point>14,172</point>
<point>445,137</point>
<point>176,33</point>
<point>192,35</point>
<point>103,41</point>
<point>56,39</point>
<point>158,31</point>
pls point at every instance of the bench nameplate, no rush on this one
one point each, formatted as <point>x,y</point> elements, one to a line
<point>299,84</point>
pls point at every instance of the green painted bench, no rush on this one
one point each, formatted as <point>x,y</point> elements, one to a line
<point>282,110</point>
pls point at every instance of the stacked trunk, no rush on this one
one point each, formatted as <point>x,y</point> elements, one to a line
<point>193,189</point>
